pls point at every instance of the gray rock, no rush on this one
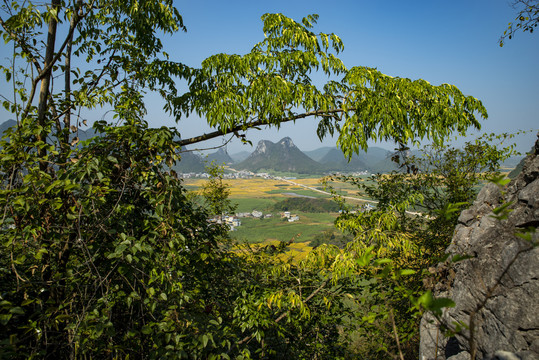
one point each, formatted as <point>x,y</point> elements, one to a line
<point>460,356</point>
<point>503,355</point>
<point>496,290</point>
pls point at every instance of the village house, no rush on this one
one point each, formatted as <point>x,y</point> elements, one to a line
<point>290,217</point>
<point>257,214</point>
<point>293,218</point>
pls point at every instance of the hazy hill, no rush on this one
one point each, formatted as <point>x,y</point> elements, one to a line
<point>282,156</point>
<point>334,160</point>
<point>220,157</point>
<point>374,160</point>
<point>285,156</point>
<point>190,162</point>
<point>240,156</point>
<point>7,124</point>
<point>319,153</point>
<point>81,134</point>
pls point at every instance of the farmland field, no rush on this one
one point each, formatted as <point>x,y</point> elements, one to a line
<point>259,230</point>
<point>261,194</point>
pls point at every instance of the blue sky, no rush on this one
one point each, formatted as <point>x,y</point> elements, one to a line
<point>453,42</point>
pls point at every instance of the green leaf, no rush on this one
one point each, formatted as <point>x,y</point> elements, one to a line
<point>406,272</point>
<point>441,303</point>
<point>383,261</point>
<point>205,340</point>
<point>426,300</point>
<point>16,310</point>
<point>4,318</point>
<point>502,208</point>
<point>460,257</point>
<point>365,258</point>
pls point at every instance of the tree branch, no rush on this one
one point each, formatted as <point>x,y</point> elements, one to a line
<point>237,128</point>
<point>22,44</point>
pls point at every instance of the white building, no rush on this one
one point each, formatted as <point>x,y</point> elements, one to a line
<point>257,214</point>
<point>293,218</point>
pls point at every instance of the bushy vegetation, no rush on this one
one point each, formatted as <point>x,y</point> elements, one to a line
<point>410,228</point>
<point>306,204</point>
<point>331,237</point>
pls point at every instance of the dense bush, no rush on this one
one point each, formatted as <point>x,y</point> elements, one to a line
<point>305,204</point>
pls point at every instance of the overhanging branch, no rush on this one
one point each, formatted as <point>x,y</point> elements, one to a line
<point>253,124</point>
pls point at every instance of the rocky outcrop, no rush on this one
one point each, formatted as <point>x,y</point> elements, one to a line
<point>497,290</point>
<point>282,156</point>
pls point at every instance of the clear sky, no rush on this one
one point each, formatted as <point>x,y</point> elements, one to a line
<point>453,42</point>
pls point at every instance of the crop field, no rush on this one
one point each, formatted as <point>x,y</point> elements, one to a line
<point>261,194</point>
<point>258,203</point>
<point>259,230</point>
<point>255,187</point>
<point>259,187</point>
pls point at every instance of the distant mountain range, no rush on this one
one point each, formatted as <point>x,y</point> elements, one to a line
<point>282,156</point>
<point>6,125</point>
<point>285,156</point>
<point>81,134</point>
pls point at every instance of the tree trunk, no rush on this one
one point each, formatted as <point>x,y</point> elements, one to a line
<point>46,81</point>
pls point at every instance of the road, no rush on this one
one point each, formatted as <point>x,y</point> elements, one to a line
<point>344,197</point>
<point>330,194</point>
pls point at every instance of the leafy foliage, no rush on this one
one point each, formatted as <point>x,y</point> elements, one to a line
<point>95,252</point>
<point>330,237</point>
<point>268,85</point>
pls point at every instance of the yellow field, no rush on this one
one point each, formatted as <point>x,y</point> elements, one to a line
<point>259,188</point>
<point>256,187</point>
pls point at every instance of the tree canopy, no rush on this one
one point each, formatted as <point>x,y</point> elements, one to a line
<point>102,252</point>
<point>272,84</point>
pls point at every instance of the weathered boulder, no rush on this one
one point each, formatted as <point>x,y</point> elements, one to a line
<point>496,291</point>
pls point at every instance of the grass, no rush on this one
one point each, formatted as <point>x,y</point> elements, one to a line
<point>250,204</point>
<point>256,230</point>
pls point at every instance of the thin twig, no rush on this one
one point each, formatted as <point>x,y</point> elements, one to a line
<point>395,333</point>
